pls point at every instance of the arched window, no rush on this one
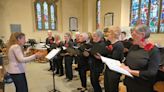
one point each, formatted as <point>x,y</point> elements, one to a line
<point>98,9</point>
<point>149,12</point>
<point>45,14</point>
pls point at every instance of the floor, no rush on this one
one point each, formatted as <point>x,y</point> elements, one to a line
<point>41,80</point>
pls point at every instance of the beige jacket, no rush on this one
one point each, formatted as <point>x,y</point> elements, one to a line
<point>17,60</point>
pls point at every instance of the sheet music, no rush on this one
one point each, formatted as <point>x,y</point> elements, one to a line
<point>53,53</point>
<point>0,67</point>
<point>76,47</point>
<point>115,65</point>
<point>47,46</point>
<point>64,48</point>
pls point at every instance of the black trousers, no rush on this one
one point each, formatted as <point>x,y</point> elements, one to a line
<point>111,81</point>
<point>68,67</point>
<point>52,64</point>
<point>95,74</point>
<point>138,85</point>
<point>20,82</point>
<point>82,72</point>
<point>59,66</point>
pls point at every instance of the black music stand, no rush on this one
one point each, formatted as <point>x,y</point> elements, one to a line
<point>53,74</point>
<point>53,77</point>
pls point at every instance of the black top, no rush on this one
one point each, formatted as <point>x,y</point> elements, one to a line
<point>147,62</point>
<point>76,42</point>
<point>98,47</point>
<point>69,48</point>
<point>49,41</point>
<point>127,44</point>
<point>55,45</point>
<point>117,51</point>
<point>82,60</point>
<point>162,56</point>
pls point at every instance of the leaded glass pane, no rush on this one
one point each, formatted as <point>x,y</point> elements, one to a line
<point>98,13</point>
<point>45,16</point>
<point>144,11</point>
<point>39,17</point>
<point>162,18</point>
<point>52,17</point>
<point>134,12</point>
<point>154,12</point>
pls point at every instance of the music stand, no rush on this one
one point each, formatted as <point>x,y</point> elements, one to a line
<point>52,54</point>
<point>53,77</point>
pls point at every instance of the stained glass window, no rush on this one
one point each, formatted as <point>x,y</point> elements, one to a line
<point>148,13</point>
<point>39,17</point>
<point>134,12</point>
<point>45,13</point>
<point>52,17</point>
<point>98,14</point>
<point>144,11</point>
<point>162,18</point>
<point>154,12</point>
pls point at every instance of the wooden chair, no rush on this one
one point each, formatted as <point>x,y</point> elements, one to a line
<point>159,86</point>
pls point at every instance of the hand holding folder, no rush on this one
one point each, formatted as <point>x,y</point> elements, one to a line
<point>53,53</point>
<point>115,65</point>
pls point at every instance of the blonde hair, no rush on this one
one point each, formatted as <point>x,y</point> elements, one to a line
<point>49,31</point>
<point>116,31</point>
<point>14,39</point>
<point>68,34</point>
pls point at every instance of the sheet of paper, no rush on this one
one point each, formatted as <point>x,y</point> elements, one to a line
<point>64,48</point>
<point>115,65</point>
<point>47,46</point>
<point>75,47</point>
<point>53,53</point>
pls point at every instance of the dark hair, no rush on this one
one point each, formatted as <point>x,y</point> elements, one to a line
<point>14,39</point>
<point>19,35</point>
<point>124,32</point>
<point>106,29</point>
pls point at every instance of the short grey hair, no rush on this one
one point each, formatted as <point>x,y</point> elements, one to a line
<point>143,28</point>
<point>85,35</point>
<point>99,34</point>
